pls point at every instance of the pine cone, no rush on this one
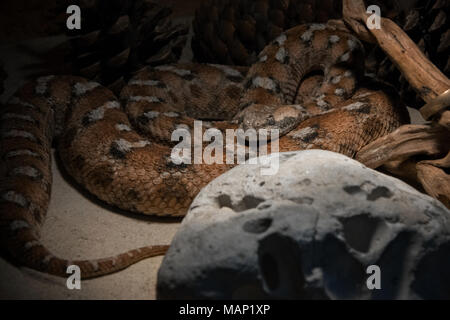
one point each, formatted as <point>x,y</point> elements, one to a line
<point>118,37</point>
<point>427,24</point>
<point>235,31</point>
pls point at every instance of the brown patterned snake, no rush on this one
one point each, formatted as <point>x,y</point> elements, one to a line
<point>132,168</point>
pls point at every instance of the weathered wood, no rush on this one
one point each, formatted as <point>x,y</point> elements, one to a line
<point>423,75</point>
<point>445,120</point>
<point>405,142</point>
<point>419,154</point>
<point>435,181</point>
<point>436,106</point>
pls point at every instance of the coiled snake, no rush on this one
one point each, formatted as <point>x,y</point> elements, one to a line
<point>122,155</point>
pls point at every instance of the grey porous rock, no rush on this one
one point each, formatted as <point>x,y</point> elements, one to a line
<point>310,231</point>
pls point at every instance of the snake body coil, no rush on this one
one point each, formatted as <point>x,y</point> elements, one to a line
<point>122,155</point>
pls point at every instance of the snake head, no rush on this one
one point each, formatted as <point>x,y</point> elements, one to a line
<point>282,118</point>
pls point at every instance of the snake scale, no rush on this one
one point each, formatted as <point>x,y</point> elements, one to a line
<point>119,150</point>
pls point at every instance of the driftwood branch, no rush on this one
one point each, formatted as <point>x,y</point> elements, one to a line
<point>419,154</point>
<point>406,142</point>
<point>420,72</point>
